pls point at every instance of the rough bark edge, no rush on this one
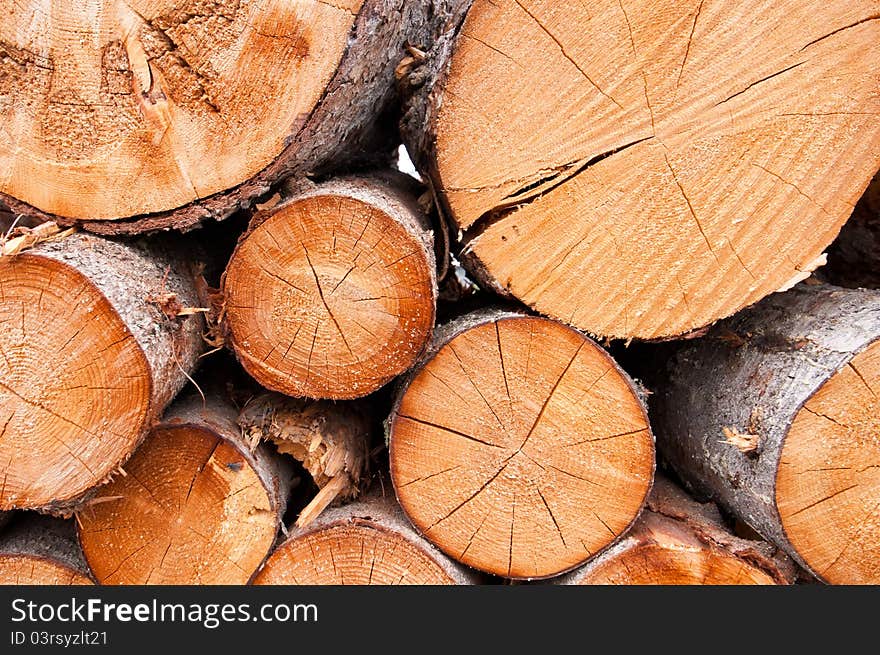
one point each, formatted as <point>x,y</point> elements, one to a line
<point>446,333</point>
<point>380,511</point>
<point>45,538</point>
<point>792,331</point>
<point>389,191</point>
<point>352,116</point>
<point>152,269</point>
<point>219,419</point>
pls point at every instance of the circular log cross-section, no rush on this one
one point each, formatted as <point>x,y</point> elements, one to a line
<point>86,362</point>
<point>519,447</point>
<point>174,111</point>
<point>644,168</point>
<point>333,293</point>
<point>195,506</point>
<point>368,542</point>
<point>775,413</point>
<point>40,550</point>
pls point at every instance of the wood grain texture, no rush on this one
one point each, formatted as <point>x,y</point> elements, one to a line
<point>365,542</point>
<point>129,100</point>
<point>640,168</point>
<point>677,541</point>
<point>333,292</point>
<point>518,446</point>
<point>88,361</point>
<point>195,504</point>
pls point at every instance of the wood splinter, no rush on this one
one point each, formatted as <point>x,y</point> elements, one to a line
<point>330,439</point>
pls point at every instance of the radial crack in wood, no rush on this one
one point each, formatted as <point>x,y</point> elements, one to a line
<point>367,542</point>
<point>195,505</point>
<point>87,361</point>
<point>546,460</point>
<point>333,292</point>
<point>801,371</point>
<point>642,168</point>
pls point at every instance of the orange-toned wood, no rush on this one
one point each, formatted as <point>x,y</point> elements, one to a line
<point>365,542</point>
<point>333,293</point>
<point>829,475</point>
<point>194,505</point>
<point>774,414</point>
<point>643,168</point>
<point>87,361</point>
<point>678,541</point>
<point>519,447</point>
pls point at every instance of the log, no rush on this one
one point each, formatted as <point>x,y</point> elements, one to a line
<point>774,414</point>
<point>41,550</point>
<point>365,542</point>
<point>678,541</point>
<point>854,258</point>
<point>95,342</point>
<point>171,113</point>
<point>642,169</point>
<point>518,446</point>
<point>333,292</point>
<point>195,506</point>
<point>331,441</point>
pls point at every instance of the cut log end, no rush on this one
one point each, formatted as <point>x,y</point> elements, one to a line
<point>114,94</point>
<point>190,509</point>
<point>351,554</point>
<point>40,550</point>
<point>368,542</point>
<point>332,296</point>
<point>828,478</point>
<point>74,384</point>
<point>664,552</point>
<point>664,176</point>
<point>35,570</point>
<point>546,458</point>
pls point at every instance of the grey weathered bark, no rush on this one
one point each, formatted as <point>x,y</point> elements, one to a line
<point>331,440</point>
<point>676,535</point>
<point>723,404</point>
<point>42,550</point>
<point>143,291</point>
<point>352,124</point>
<point>397,548</point>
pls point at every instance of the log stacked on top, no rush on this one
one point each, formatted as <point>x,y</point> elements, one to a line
<point>633,170</point>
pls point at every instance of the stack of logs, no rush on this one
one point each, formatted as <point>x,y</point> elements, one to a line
<point>598,341</point>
